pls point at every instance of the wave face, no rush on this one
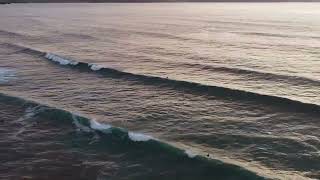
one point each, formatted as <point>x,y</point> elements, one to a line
<point>96,139</point>
<point>237,88</point>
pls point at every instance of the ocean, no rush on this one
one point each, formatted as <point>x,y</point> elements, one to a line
<point>198,91</point>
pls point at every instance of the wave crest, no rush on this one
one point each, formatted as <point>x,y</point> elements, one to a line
<point>293,105</point>
<point>193,87</point>
<point>59,59</point>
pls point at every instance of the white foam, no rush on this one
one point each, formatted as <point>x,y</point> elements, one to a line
<point>190,154</point>
<point>6,75</point>
<point>98,126</point>
<point>95,67</point>
<point>60,60</point>
<point>139,137</point>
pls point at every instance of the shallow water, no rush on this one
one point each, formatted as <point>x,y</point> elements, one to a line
<point>239,83</point>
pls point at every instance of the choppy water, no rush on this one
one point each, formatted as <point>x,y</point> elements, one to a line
<point>160,91</point>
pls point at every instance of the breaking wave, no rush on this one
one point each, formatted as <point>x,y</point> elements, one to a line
<point>124,136</point>
<point>198,88</point>
<point>193,87</point>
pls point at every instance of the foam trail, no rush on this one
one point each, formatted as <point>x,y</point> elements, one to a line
<point>6,75</point>
<point>31,112</point>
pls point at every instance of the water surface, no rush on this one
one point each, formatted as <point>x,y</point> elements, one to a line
<point>233,82</point>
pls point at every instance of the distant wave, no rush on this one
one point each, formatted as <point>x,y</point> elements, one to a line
<point>22,49</point>
<point>56,37</point>
<point>81,36</point>
<point>260,74</point>
<point>17,35</point>
<point>278,35</point>
<point>192,87</point>
<point>8,33</point>
<point>147,142</point>
<point>147,33</point>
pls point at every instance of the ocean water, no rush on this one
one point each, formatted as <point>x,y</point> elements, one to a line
<point>160,91</point>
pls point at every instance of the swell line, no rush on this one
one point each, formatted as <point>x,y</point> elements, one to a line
<point>135,139</point>
<point>193,87</point>
<point>260,74</point>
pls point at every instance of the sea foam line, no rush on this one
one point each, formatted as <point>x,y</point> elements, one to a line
<point>60,60</point>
